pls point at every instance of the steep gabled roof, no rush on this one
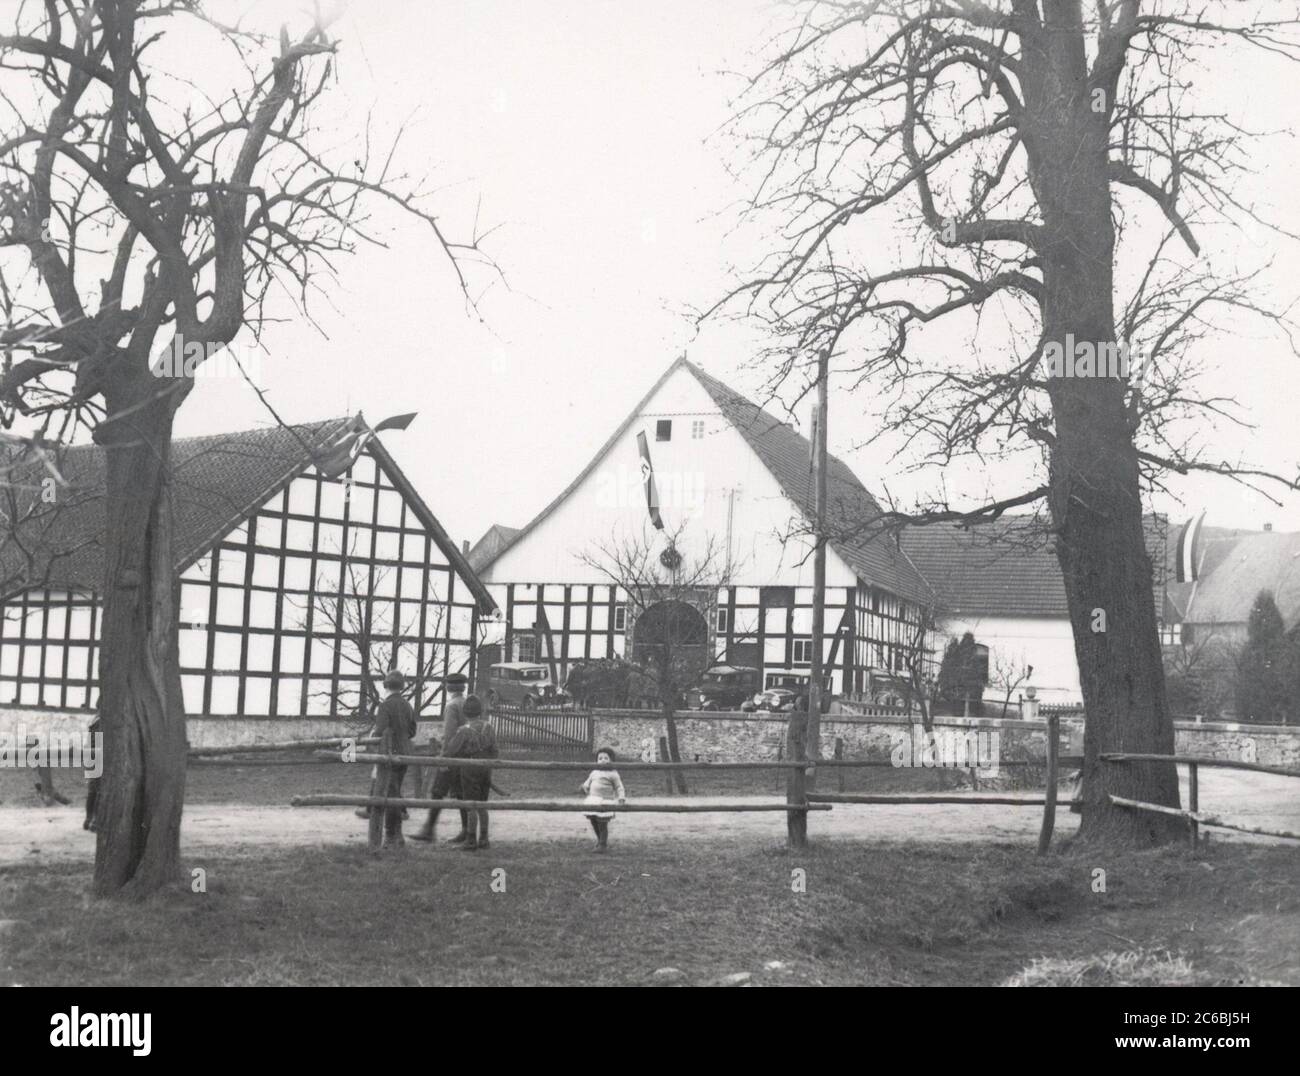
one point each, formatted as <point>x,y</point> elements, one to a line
<point>785,453</point>
<point>1236,568</point>
<point>494,539</point>
<point>1008,567</point>
<point>850,507</point>
<point>216,482</point>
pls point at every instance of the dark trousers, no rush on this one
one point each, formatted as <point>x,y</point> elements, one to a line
<point>386,823</point>
<point>446,783</point>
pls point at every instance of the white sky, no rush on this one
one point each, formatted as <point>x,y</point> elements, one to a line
<point>586,131</point>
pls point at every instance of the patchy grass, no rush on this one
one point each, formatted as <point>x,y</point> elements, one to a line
<point>872,914</point>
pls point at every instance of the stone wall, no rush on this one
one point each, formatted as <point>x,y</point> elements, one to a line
<point>735,737</point>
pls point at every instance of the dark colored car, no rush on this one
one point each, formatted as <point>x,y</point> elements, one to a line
<point>726,687</point>
<point>524,684</point>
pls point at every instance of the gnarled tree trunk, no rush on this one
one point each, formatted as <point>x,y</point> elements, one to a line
<point>143,792</point>
<point>1094,491</point>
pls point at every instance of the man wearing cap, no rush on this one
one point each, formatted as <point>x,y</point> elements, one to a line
<point>394,725</point>
<point>446,780</point>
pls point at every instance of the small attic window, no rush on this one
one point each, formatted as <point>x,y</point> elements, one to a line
<point>664,429</point>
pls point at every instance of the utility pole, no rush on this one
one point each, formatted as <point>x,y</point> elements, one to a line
<point>815,688</point>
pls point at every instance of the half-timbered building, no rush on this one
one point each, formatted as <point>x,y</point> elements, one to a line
<point>307,564</point>
<point>734,480</point>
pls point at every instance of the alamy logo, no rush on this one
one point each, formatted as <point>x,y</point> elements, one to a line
<point>1086,358</point>
<point>948,749</point>
<point>57,750</point>
<point>76,1028</point>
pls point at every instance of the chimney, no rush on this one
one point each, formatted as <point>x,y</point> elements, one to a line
<point>464,546</point>
<point>1268,526</point>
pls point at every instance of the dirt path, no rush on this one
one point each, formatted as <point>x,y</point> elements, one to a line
<point>36,834</point>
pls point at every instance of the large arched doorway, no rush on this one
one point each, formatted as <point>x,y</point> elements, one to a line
<point>672,637</point>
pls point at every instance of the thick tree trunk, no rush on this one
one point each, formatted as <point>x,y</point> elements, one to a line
<point>1095,496</point>
<point>143,790</point>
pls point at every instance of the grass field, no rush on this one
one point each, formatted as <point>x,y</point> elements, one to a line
<point>708,902</point>
<point>871,914</point>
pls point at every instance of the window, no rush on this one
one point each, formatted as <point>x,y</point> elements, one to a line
<point>526,647</point>
<point>620,618</point>
<point>724,620</point>
<point>1170,634</point>
<point>803,651</point>
<point>697,429</point>
<point>664,429</point>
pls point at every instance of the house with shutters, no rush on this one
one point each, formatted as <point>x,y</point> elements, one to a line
<point>731,478</point>
<point>307,564</point>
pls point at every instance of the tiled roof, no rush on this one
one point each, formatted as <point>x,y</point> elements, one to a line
<point>877,558</point>
<point>1236,568</point>
<point>216,482</point>
<point>494,539</point>
<point>1007,567</point>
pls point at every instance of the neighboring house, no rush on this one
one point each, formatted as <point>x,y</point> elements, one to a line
<point>1233,566</point>
<point>1001,581</point>
<point>732,476</point>
<point>294,584</point>
<point>494,539</point>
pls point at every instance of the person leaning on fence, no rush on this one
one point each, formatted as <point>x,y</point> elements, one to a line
<point>474,739</point>
<point>603,785</point>
<point>394,725</point>
<point>446,781</point>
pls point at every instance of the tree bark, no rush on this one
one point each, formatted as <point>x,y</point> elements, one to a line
<point>1094,491</point>
<point>143,791</point>
<point>674,752</point>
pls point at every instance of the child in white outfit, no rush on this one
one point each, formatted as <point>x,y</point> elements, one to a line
<point>603,785</point>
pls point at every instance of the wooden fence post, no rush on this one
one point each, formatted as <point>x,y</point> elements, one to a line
<point>663,757</point>
<point>1193,801</point>
<point>839,757</point>
<point>796,787</point>
<point>1049,808</point>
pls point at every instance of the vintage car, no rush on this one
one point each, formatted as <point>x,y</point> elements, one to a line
<point>523,684</point>
<point>726,687</point>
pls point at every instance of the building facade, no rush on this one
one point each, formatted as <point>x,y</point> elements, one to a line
<point>307,565</point>
<point>734,496</point>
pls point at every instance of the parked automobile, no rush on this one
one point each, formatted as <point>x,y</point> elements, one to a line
<point>726,687</point>
<point>523,684</point>
<point>776,699</point>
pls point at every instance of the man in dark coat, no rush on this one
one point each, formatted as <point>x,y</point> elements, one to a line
<point>394,725</point>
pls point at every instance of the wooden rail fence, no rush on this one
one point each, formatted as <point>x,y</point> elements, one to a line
<point>1195,817</point>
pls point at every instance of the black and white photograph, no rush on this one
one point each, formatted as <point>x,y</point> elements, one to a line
<point>703,493</point>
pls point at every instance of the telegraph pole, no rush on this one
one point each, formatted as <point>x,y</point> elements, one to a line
<point>815,688</point>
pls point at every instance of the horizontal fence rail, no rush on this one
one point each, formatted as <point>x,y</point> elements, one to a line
<point>1193,814</point>
<point>580,806</point>
<point>970,800</point>
<point>284,745</point>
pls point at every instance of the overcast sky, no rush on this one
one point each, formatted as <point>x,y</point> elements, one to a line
<point>586,131</point>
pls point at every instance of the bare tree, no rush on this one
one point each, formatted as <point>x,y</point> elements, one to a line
<point>1008,672</point>
<point>988,140</point>
<point>139,208</point>
<point>668,595</point>
<point>363,629</point>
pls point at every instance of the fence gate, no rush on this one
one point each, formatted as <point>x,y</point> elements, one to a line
<point>561,732</point>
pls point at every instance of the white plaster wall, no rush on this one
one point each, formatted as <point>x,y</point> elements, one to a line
<point>695,478</point>
<point>1044,642</point>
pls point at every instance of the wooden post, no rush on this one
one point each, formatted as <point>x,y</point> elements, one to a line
<point>796,787</point>
<point>780,757</point>
<point>663,757</point>
<point>1193,802</point>
<point>813,728</point>
<point>839,757</point>
<point>1049,807</point>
